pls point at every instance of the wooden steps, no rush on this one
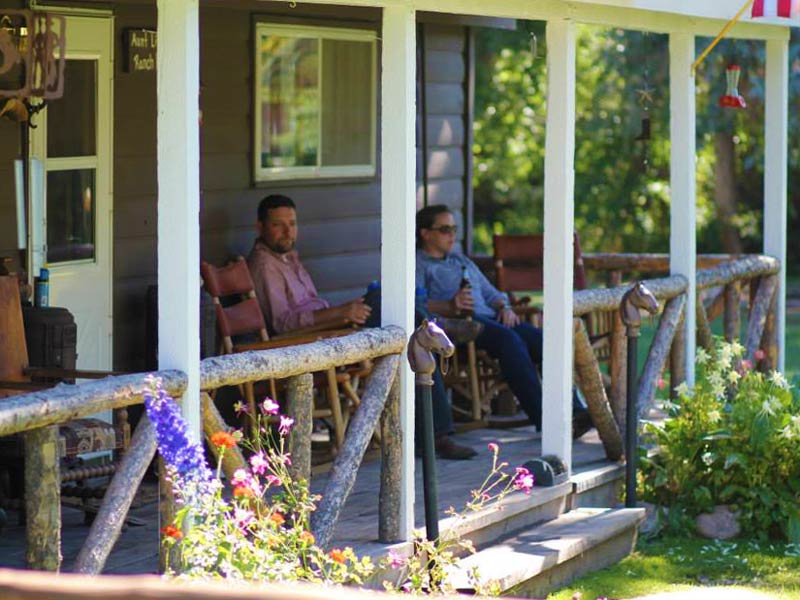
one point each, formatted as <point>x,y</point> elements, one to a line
<point>539,559</point>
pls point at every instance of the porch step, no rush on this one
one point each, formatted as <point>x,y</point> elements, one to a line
<point>547,556</point>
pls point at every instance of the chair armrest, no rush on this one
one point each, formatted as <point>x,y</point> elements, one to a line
<point>24,386</point>
<point>291,340</point>
<point>329,326</point>
<point>59,373</point>
<point>526,311</point>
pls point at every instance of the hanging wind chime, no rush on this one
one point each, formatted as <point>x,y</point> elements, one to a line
<point>645,100</point>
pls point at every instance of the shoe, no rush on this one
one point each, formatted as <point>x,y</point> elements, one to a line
<point>581,423</point>
<point>447,449</point>
<point>460,331</point>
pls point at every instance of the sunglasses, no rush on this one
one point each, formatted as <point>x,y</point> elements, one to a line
<point>445,229</point>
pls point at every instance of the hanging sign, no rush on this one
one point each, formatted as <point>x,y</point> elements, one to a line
<point>140,49</point>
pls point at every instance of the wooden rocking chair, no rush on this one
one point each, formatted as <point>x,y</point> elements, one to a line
<point>244,318</point>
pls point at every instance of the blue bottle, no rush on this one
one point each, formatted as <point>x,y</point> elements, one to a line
<point>41,290</point>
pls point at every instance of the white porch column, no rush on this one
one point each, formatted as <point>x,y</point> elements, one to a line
<point>683,197</point>
<point>398,210</point>
<point>178,198</point>
<point>775,172</point>
<point>559,182</point>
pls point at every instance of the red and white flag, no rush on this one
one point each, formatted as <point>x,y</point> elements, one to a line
<point>775,8</point>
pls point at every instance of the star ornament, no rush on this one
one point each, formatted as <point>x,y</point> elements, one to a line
<point>645,94</point>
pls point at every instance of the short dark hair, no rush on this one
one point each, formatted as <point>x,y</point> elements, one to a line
<point>273,201</point>
<point>427,217</point>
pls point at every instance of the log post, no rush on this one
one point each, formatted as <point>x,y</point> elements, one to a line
<point>677,370</point>
<point>716,307</point>
<point>391,460</point>
<point>213,422</point>
<point>770,342</point>
<point>762,301</point>
<point>704,335</point>
<point>732,316</point>
<point>617,366</point>
<point>166,516</point>
<point>591,383</point>
<point>300,407</point>
<point>117,500</point>
<point>42,499</point>
<point>670,323</point>
<point>345,466</point>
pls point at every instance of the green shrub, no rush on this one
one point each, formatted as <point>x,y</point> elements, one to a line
<point>734,439</point>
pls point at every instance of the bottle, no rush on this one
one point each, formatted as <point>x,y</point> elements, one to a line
<point>466,283</point>
<point>41,290</point>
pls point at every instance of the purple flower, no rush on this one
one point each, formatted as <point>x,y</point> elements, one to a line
<point>183,456</point>
<point>243,517</point>
<point>241,408</point>
<point>259,463</point>
<point>270,407</point>
<point>523,480</point>
<point>285,425</point>
<point>273,480</point>
<point>241,477</point>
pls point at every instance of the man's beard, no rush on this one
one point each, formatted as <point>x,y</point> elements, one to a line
<point>281,247</point>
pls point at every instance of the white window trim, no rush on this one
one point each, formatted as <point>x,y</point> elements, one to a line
<point>262,174</point>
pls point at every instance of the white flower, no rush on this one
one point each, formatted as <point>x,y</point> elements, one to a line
<point>683,390</point>
<point>768,406</point>
<point>779,380</point>
<point>707,458</point>
<point>718,390</point>
<point>714,416</point>
<point>737,349</point>
<point>701,356</point>
<point>734,377</point>
<point>787,432</point>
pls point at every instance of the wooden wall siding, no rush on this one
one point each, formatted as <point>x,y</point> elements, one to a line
<point>340,220</point>
<point>445,73</point>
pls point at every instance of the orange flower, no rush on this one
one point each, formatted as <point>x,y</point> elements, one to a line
<point>306,537</point>
<point>172,531</point>
<point>277,518</point>
<point>243,491</point>
<point>223,439</point>
<point>338,556</point>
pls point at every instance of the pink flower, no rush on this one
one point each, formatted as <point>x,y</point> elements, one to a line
<point>241,477</point>
<point>285,425</point>
<point>259,463</point>
<point>270,407</point>
<point>493,448</point>
<point>523,480</point>
<point>746,364</point>
<point>759,354</point>
<point>661,383</point>
<point>396,560</point>
<point>242,517</point>
<point>273,480</point>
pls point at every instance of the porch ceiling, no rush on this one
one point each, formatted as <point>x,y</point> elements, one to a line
<point>703,18</point>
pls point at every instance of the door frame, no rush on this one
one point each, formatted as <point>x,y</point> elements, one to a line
<point>84,41</point>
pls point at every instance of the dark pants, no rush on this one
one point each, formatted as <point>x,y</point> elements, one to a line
<point>519,352</point>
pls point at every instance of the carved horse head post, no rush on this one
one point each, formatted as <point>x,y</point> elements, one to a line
<point>427,339</point>
<point>633,301</point>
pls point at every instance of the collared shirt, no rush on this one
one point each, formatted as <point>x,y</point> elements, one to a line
<point>441,277</point>
<point>285,292</point>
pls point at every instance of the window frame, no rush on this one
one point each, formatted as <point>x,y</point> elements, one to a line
<point>321,33</point>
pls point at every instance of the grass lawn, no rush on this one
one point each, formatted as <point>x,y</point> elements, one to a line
<point>670,564</point>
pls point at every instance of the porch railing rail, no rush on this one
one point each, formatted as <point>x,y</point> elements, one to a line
<point>36,415</point>
<point>720,284</point>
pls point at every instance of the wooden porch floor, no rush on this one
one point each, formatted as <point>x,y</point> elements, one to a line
<point>137,549</point>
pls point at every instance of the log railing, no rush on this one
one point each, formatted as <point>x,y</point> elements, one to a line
<point>720,283</point>
<point>37,415</point>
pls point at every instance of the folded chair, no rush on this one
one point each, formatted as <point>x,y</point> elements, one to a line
<point>76,438</point>
<point>239,317</point>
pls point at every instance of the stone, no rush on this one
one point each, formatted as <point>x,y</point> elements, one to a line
<point>720,524</point>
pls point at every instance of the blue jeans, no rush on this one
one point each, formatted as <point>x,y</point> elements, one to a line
<point>519,352</point>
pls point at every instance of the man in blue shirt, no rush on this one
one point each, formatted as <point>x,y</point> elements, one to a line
<point>516,345</point>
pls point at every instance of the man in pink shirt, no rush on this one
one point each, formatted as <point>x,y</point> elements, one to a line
<point>285,292</point>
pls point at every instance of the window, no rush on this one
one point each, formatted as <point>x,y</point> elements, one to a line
<point>314,102</point>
